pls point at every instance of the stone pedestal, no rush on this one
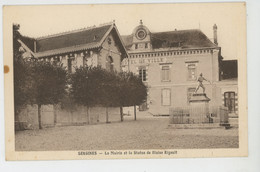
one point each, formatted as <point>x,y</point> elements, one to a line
<point>199,111</point>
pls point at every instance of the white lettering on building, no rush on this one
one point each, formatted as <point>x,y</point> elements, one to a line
<point>146,61</point>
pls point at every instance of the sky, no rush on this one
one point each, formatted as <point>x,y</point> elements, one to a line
<point>36,21</point>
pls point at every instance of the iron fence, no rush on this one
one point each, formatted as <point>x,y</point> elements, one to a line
<point>198,115</point>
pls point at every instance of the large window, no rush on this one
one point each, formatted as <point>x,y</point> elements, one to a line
<point>142,73</point>
<point>109,64</point>
<point>166,97</point>
<point>191,72</point>
<point>229,101</point>
<point>166,73</point>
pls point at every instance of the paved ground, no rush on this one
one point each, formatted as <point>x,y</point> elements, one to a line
<point>145,133</point>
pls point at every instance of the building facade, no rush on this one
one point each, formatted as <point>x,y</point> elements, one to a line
<point>93,46</point>
<point>169,63</point>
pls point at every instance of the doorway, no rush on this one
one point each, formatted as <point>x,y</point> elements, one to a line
<point>229,98</point>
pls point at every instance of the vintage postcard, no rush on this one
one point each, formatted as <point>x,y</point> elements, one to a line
<point>125,81</point>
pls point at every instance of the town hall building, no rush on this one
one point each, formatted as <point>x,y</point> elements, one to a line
<point>169,63</point>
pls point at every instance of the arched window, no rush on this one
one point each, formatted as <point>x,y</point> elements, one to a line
<point>109,64</point>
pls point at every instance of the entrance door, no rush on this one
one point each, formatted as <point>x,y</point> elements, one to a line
<point>230,101</point>
<point>143,106</point>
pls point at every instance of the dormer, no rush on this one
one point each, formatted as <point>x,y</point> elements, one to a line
<point>141,38</point>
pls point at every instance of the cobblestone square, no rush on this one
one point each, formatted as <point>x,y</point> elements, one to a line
<point>146,133</point>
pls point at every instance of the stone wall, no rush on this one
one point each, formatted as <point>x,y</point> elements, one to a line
<point>51,116</point>
<point>84,115</point>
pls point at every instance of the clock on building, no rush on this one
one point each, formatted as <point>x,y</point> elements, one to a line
<point>141,34</point>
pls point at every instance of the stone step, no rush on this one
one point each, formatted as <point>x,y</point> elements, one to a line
<point>233,121</point>
<point>195,126</point>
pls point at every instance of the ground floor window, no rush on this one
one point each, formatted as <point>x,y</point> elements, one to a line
<point>109,64</point>
<point>229,101</point>
<point>165,73</point>
<point>142,73</point>
<point>166,97</point>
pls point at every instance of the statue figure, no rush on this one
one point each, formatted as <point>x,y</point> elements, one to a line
<point>200,82</point>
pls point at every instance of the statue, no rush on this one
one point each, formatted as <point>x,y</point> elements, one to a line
<point>200,82</point>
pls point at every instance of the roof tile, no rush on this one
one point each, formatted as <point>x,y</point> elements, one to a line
<point>70,39</point>
<point>183,38</point>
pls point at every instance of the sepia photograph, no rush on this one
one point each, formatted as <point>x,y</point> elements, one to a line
<point>125,81</point>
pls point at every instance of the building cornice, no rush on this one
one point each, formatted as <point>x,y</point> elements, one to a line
<point>175,52</point>
<point>169,49</point>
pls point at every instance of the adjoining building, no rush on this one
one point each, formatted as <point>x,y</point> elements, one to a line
<point>227,86</point>
<point>93,46</point>
<point>90,46</point>
<point>170,63</point>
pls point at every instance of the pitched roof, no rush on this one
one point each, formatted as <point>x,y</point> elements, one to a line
<point>175,39</point>
<point>128,40</point>
<point>29,42</point>
<point>70,39</point>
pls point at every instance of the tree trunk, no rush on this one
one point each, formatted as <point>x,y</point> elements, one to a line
<point>107,115</point>
<point>71,116</point>
<point>135,111</point>
<point>121,113</point>
<point>55,114</point>
<point>39,116</point>
<point>88,116</point>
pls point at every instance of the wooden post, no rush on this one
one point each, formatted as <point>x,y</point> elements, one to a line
<point>121,113</point>
<point>135,111</point>
<point>39,116</point>
<point>71,116</point>
<point>88,116</point>
<point>107,115</point>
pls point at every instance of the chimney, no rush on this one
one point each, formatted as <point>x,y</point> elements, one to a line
<point>215,28</point>
<point>141,22</point>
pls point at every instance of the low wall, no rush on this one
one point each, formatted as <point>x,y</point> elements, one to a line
<point>84,115</point>
<point>27,117</point>
<point>51,115</point>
